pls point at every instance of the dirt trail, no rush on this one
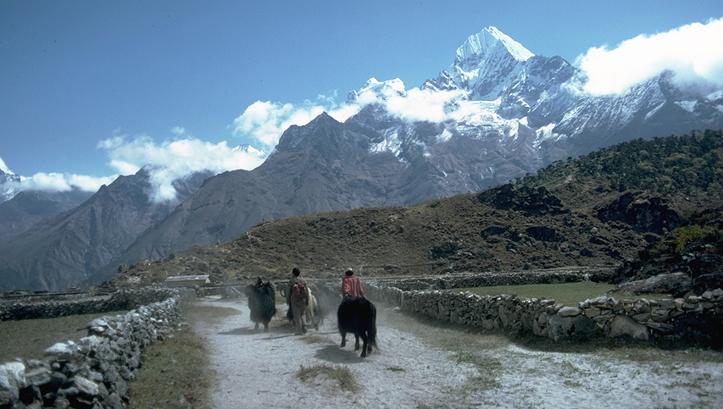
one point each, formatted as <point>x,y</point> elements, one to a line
<point>434,366</point>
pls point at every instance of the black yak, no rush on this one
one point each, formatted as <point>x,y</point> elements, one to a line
<point>262,303</point>
<point>358,316</point>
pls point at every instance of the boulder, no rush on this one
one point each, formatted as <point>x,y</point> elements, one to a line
<point>570,328</point>
<point>672,283</point>
<point>569,312</point>
<point>12,379</point>
<point>62,350</point>
<point>625,326</point>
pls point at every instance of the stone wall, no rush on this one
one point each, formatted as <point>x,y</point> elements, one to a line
<point>93,372</point>
<point>696,319</point>
<point>126,299</point>
<point>546,276</point>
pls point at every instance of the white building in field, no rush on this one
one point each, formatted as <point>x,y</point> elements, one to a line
<point>187,281</point>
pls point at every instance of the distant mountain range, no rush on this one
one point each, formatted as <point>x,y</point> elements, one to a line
<point>27,208</point>
<point>71,247</point>
<point>505,113</point>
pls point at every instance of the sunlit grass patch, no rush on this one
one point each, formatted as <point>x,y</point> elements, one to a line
<point>30,338</point>
<point>174,374</point>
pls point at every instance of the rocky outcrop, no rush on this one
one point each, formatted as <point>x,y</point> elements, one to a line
<point>529,200</point>
<point>677,284</point>
<point>93,372</point>
<point>644,213</point>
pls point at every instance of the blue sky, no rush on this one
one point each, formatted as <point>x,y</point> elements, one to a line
<point>73,73</point>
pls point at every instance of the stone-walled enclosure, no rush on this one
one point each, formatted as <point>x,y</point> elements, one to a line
<point>93,372</point>
<point>488,279</point>
<point>50,307</point>
<point>696,318</point>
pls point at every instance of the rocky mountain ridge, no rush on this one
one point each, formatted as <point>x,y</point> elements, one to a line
<point>601,209</point>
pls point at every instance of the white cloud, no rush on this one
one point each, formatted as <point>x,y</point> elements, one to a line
<point>173,159</point>
<point>52,181</point>
<point>89,183</point>
<point>178,131</point>
<point>693,52</point>
<point>167,161</point>
<point>61,182</point>
<point>265,121</point>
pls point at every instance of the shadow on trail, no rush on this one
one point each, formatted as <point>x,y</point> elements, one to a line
<point>336,355</point>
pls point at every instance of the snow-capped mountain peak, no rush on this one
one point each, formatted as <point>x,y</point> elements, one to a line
<point>484,64</point>
<point>375,90</point>
<point>251,150</point>
<point>8,182</point>
<point>4,168</point>
<point>483,43</point>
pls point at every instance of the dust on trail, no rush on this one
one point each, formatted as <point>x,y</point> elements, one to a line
<point>438,366</point>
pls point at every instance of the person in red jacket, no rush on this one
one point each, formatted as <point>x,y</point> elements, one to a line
<point>351,286</point>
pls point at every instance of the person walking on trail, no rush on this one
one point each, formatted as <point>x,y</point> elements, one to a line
<point>297,297</point>
<point>351,286</point>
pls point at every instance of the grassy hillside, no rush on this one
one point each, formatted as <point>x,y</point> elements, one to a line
<point>600,209</point>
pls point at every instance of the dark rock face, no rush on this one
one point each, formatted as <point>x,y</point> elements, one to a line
<point>444,250</point>
<point>533,201</point>
<point>705,263</point>
<point>544,233</point>
<point>708,282</point>
<point>694,248</point>
<point>643,213</point>
<point>701,328</point>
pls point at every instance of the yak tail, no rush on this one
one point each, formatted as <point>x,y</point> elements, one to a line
<point>373,327</point>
